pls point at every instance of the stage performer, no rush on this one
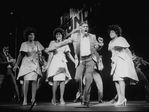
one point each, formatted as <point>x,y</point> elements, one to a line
<point>57,71</point>
<point>30,70</point>
<point>123,68</point>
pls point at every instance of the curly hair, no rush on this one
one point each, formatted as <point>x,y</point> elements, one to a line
<point>60,30</point>
<point>27,31</point>
<point>115,28</point>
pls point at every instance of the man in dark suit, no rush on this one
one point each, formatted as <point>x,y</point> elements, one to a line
<point>6,70</point>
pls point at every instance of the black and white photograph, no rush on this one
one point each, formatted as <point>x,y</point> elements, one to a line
<point>74,56</point>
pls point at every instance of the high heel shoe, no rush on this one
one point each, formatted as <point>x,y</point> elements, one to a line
<point>62,103</point>
<point>53,102</point>
<point>77,96</point>
<point>24,103</point>
<point>33,102</point>
<point>121,103</point>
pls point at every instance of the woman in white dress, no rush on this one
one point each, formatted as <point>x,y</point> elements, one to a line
<point>29,69</point>
<point>57,71</point>
<point>122,63</point>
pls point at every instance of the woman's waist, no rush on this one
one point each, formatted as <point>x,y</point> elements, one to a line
<point>30,58</point>
<point>59,58</point>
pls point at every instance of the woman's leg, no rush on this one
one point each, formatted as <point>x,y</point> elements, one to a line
<point>62,90</point>
<point>54,89</point>
<point>34,90</point>
<point>25,91</point>
<point>121,94</point>
<point>122,90</point>
<point>118,91</point>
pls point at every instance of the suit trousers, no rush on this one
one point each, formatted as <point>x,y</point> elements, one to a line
<point>99,83</point>
<point>85,69</point>
<point>143,79</point>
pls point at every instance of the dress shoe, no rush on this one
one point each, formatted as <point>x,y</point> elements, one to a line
<point>100,101</point>
<point>18,101</point>
<point>77,96</point>
<point>86,104</point>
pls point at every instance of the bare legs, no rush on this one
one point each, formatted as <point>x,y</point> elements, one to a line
<point>62,88</point>
<point>25,91</point>
<point>54,90</point>
<point>120,87</point>
<point>34,90</point>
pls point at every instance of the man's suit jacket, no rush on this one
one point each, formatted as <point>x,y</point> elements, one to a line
<point>75,40</point>
<point>3,63</point>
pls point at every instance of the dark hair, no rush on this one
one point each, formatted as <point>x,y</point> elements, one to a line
<point>60,30</point>
<point>115,28</point>
<point>27,31</point>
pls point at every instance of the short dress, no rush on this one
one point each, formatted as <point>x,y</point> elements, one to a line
<point>57,70</point>
<point>29,68</point>
<point>122,64</point>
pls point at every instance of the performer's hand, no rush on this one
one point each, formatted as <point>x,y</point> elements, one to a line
<point>134,57</point>
<point>44,68</point>
<point>100,40</point>
<point>76,63</point>
<point>15,67</point>
<point>14,61</point>
<point>11,60</point>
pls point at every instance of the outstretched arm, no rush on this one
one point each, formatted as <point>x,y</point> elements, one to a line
<point>70,57</point>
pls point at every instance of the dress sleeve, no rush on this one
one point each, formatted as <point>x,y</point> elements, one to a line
<point>121,42</point>
<point>40,47</point>
<point>109,46</point>
<point>67,49</point>
<point>51,45</point>
<point>24,47</point>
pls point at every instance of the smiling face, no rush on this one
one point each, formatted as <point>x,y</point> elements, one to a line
<point>112,34</point>
<point>31,37</point>
<point>59,36</point>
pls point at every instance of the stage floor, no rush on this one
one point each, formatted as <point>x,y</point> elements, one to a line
<point>70,106</point>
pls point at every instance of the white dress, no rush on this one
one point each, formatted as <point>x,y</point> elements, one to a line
<point>30,69</point>
<point>57,70</point>
<point>122,64</point>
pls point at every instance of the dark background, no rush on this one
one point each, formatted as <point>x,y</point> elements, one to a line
<point>45,17</point>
